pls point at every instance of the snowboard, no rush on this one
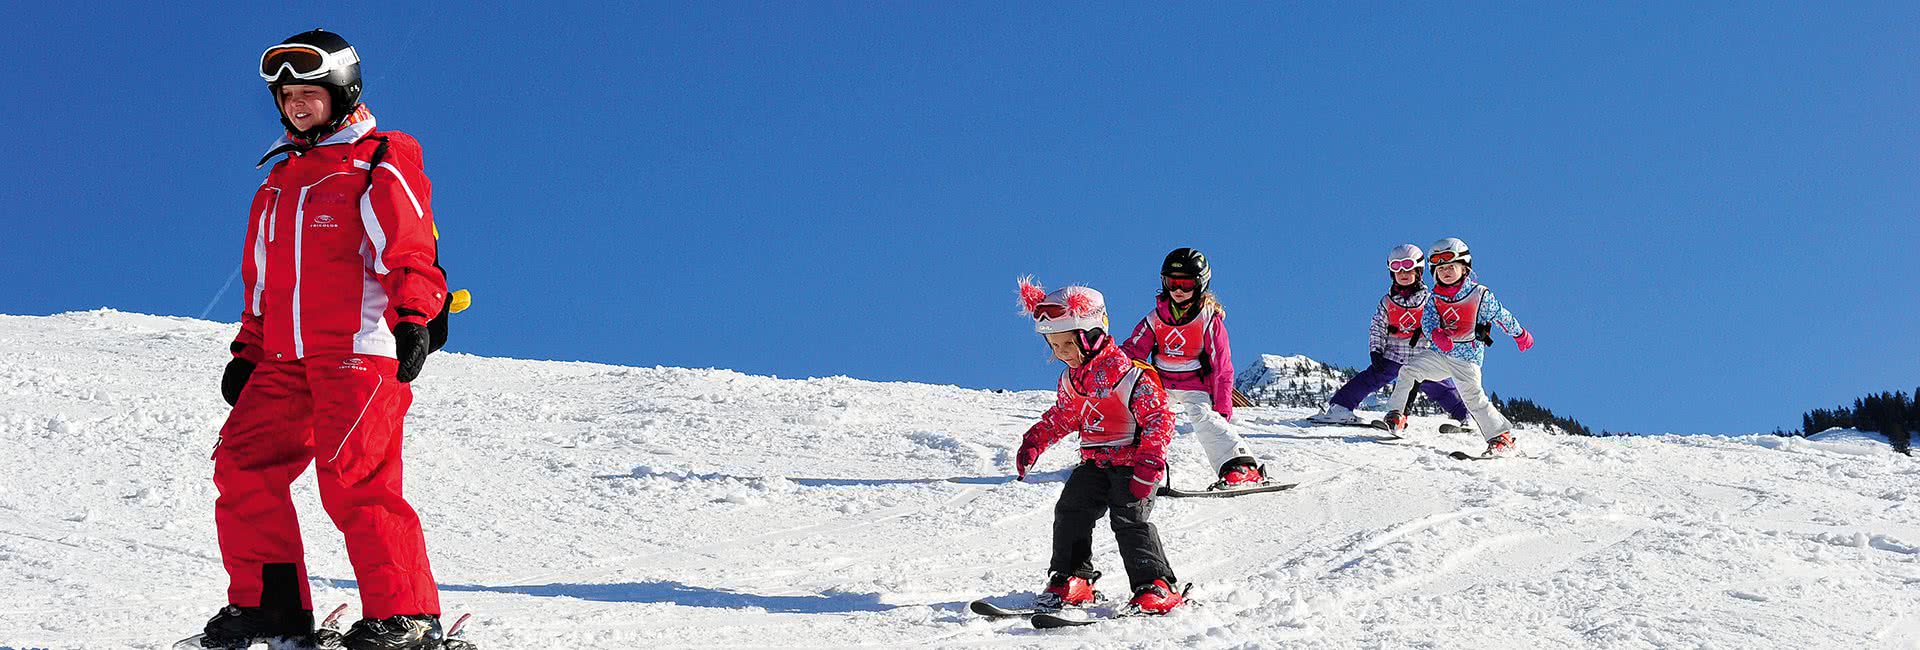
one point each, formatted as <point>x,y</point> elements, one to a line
<point>327,637</point>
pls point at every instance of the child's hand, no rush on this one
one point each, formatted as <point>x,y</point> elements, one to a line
<point>1524,340</point>
<point>1443,341</point>
<point>1028,455</point>
<point>1146,477</point>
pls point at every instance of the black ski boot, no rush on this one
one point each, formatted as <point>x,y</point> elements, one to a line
<point>280,621</point>
<point>237,628</point>
<point>404,632</point>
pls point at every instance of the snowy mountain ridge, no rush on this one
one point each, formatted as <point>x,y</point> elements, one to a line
<point>580,505</point>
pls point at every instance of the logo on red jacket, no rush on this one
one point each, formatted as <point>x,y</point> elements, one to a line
<point>323,221</point>
<point>354,363</point>
<point>1090,417</point>
<point>1409,321</point>
<point>1176,343</point>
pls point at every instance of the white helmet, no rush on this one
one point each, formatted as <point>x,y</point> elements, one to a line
<point>1405,257</point>
<point>1447,251</point>
<point>1064,310</point>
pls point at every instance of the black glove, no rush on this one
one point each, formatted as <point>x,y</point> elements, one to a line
<point>412,344</point>
<point>234,379</point>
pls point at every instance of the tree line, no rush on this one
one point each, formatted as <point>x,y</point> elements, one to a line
<point>1893,415</point>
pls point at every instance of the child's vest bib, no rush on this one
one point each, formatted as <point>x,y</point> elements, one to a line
<point>1105,420</point>
<point>1458,316</point>
<point>1402,321</point>
<point>1177,348</point>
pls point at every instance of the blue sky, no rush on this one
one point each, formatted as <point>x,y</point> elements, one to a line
<point>1705,212</point>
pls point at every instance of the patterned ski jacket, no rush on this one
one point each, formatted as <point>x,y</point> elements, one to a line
<point>1148,405</point>
<point>1445,315</point>
<point>1215,378</point>
<point>339,249</point>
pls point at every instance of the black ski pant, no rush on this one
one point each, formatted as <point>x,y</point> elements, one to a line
<point>1093,491</point>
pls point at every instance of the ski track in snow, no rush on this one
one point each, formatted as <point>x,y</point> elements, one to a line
<point>577,505</point>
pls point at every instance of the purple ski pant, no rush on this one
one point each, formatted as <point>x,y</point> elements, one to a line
<point>1382,372</point>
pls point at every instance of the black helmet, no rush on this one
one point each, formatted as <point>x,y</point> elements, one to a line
<point>318,58</point>
<point>1187,263</point>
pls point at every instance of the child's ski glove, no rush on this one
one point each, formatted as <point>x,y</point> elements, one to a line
<point>1443,341</point>
<point>1147,473</point>
<point>1029,454</point>
<point>1524,340</point>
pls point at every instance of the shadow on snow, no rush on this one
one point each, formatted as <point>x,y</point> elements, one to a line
<point>677,593</point>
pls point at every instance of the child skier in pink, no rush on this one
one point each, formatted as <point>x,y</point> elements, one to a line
<point>1120,413</point>
<point>1395,331</point>
<point>1454,313</point>
<point>1185,337</point>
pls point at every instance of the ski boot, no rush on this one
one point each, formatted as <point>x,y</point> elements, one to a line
<point>1238,474</point>
<point>1501,445</point>
<point>404,632</point>
<point>1067,590</point>
<point>1336,414</point>
<point>238,628</point>
<point>1457,426</point>
<point>1157,597</point>
<point>1396,423</point>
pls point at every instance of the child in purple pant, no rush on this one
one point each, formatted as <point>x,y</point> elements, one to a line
<point>1395,330</point>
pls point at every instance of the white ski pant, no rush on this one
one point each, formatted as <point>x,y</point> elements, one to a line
<point>1431,365</point>
<point>1221,444</point>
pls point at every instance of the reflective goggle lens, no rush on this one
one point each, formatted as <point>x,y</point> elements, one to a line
<point>1442,257</point>
<point>1182,284</point>
<point>1403,265</point>
<point>1045,311</point>
<point>301,60</point>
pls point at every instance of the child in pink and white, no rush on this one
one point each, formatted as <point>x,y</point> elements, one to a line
<point>1185,338</point>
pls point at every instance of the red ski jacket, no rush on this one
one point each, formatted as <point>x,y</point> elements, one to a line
<point>339,250</point>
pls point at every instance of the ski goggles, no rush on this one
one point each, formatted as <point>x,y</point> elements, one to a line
<point>1445,257</point>
<point>1180,284</point>
<point>1049,311</point>
<point>1397,266</point>
<point>303,62</point>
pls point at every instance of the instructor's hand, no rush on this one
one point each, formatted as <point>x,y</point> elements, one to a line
<point>235,379</point>
<point>412,344</point>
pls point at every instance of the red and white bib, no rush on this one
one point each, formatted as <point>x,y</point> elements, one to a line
<point>1105,420</point>
<point>1404,321</point>
<point>1177,348</point>
<point>1459,315</point>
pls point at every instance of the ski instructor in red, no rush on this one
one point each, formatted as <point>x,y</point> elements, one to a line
<point>341,283</point>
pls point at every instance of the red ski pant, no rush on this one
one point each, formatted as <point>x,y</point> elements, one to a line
<point>342,413</point>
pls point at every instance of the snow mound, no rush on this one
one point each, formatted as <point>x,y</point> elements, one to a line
<point>589,506</point>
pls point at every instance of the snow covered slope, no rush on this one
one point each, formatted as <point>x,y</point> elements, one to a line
<point>575,505</point>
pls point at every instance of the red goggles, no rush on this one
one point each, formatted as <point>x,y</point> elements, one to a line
<point>1444,257</point>
<point>1049,311</point>
<point>1180,284</point>
<point>1397,266</point>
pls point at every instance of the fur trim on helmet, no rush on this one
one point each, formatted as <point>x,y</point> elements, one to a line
<point>1031,294</point>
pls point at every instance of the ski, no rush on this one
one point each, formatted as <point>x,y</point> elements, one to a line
<point>1461,455</point>
<point>1177,493</point>
<point>1454,428</point>
<point>1052,620</point>
<point>990,610</point>
<point>457,644</point>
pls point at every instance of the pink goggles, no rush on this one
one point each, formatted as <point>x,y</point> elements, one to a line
<point>1403,265</point>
